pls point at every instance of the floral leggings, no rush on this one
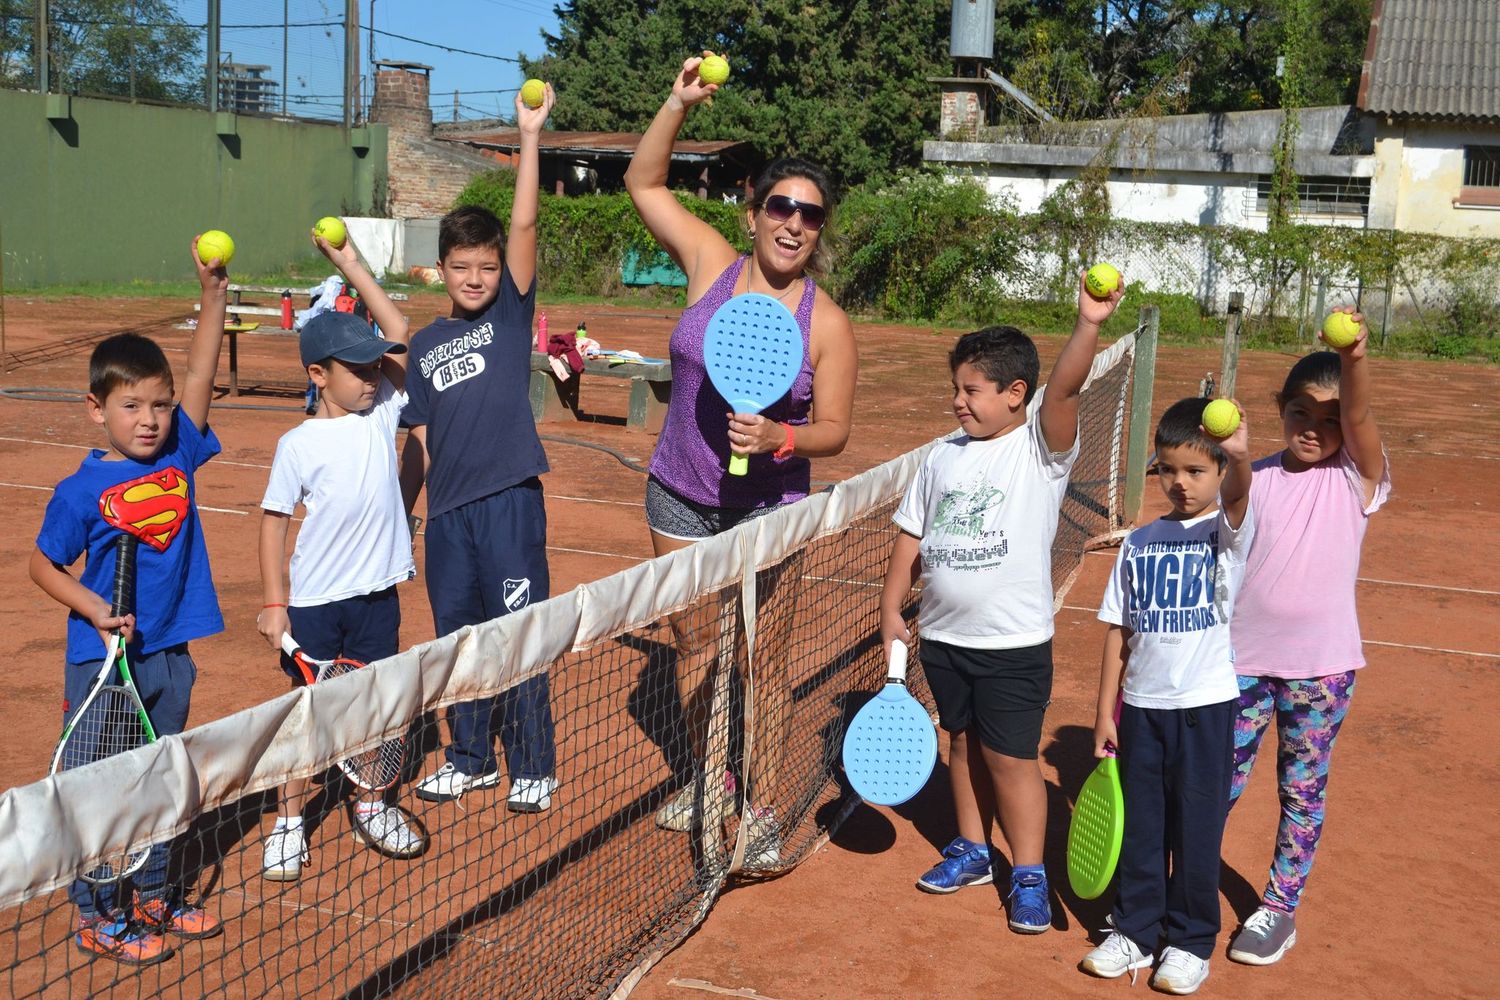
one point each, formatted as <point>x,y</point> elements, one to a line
<point>1308,714</point>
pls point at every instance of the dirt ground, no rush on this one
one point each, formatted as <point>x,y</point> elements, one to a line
<point>1396,907</point>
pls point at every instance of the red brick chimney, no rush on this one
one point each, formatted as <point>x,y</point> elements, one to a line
<point>401,98</point>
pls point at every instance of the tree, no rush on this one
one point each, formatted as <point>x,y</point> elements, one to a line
<point>843,84</point>
<point>114,47</point>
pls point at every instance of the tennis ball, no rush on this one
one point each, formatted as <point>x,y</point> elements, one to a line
<point>1221,418</point>
<point>331,228</point>
<point>1101,280</point>
<point>215,244</point>
<point>1340,330</point>
<point>533,93</point>
<point>713,69</point>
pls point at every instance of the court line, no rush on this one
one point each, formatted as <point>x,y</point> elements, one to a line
<point>86,447</point>
<point>1367,642</point>
<point>49,489</point>
<point>622,503</point>
<point>1114,554</point>
<point>591,552</point>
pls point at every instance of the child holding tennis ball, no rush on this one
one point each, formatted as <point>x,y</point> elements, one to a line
<point>977,524</point>
<point>474,442</point>
<point>354,546</point>
<point>1296,630</point>
<point>1168,604</point>
<point>146,479</point>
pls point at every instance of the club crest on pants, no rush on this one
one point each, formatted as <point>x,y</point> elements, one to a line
<point>516,593</point>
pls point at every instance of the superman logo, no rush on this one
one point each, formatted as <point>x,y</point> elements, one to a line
<point>153,507</point>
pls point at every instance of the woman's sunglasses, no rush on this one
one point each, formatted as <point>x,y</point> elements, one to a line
<point>780,208</point>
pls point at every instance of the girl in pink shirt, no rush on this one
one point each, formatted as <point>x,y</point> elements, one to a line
<point>1295,629</point>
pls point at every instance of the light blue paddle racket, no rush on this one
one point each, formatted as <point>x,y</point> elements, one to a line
<point>753,351</point>
<point>891,746</point>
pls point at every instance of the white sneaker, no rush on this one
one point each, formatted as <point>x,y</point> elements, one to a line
<point>285,854</point>
<point>530,795</point>
<point>448,783</point>
<point>677,814</point>
<point>387,832</point>
<point>1115,957</point>
<point>763,839</point>
<point>1180,972</point>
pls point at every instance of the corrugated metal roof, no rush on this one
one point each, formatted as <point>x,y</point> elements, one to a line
<point>597,142</point>
<point>1433,59</point>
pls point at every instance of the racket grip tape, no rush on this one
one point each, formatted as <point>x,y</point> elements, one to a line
<point>739,464</point>
<point>124,594</point>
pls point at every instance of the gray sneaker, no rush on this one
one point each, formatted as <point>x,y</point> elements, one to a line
<point>1266,936</point>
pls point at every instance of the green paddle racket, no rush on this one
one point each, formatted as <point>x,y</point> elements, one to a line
<point>1097,829</point>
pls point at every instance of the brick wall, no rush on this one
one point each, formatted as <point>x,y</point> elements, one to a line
<point>425,175</point>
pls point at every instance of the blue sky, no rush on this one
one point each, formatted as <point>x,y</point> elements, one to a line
<point>315,53</point>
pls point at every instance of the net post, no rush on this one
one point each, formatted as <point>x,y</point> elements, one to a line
<point>1230,362</point>
<point>1143,382</point>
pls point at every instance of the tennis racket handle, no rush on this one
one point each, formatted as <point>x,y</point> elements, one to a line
<point>289,645</point>
<point>124,595</point>
<point>739,464</point>
<point>897,670</point>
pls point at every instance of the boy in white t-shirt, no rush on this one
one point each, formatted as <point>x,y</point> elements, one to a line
<point>977,524</point>
<point>1168,605</point>
<point>354,546</point>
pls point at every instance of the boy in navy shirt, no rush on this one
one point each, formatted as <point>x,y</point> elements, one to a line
<point>146,476</point>
<point>473,439</point>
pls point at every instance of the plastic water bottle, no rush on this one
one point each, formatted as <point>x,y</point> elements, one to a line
<point>541,333</point>
<point>286,310</point>
<point>582,332</point>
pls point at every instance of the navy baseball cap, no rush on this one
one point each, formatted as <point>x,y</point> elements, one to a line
<point>344,336</point>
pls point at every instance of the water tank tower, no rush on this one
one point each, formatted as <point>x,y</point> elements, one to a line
<point>971,43</point>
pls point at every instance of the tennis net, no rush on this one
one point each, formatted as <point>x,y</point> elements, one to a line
<point>699,703</point>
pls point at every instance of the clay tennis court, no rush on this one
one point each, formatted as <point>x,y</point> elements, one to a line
<point>1394,907</point>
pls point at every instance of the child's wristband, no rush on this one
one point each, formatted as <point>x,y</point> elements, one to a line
<point>264,606</point>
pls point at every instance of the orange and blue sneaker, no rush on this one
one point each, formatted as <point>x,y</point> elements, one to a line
<point>184,921</point>
<point>116,938</point>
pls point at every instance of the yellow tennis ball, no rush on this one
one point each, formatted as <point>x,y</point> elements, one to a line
<point>331,228</point>
<point>713,69</point>
<point>1340,330</point>
<point>1221,418</point>
<point>1101,280</point>
<point>533,93</point>
<point>215,245</point>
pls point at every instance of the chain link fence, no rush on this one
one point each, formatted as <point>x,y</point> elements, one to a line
<point>261,57</point>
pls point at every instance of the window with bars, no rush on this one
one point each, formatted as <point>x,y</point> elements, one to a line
<point>1482,166</point>
<point>1343,196</point>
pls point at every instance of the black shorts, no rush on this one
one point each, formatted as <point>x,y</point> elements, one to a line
<point>364,628</point>
<point>1003,693</point>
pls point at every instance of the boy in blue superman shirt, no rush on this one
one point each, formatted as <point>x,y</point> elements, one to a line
<point>145,478</point>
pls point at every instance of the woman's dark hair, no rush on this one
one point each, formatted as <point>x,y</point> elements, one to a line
<point>470,226</point>
<point>1180,425</point>
<point>1319,370</point>
<point>777,171</point>
<point>1002,354</point>
<point>125,359</point>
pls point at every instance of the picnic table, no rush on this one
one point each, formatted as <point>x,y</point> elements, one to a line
<point>650,389</point>
<point>236,309</point>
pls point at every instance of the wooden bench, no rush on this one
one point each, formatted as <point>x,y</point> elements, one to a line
<point>235,311</point>
<point>650,390</point>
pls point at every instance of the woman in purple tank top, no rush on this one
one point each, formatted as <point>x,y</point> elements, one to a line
<point>689,493</point>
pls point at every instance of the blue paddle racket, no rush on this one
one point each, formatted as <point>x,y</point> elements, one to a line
<point>891,746</point>
<point>753,352</point>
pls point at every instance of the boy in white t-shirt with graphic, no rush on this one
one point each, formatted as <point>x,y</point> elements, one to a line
<point>354,546</point>
<point>977,524</point>
<point>1168,605</point>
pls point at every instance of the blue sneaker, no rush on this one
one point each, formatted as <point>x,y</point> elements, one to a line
<point>1030,909</point>
<point>964,863</point>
